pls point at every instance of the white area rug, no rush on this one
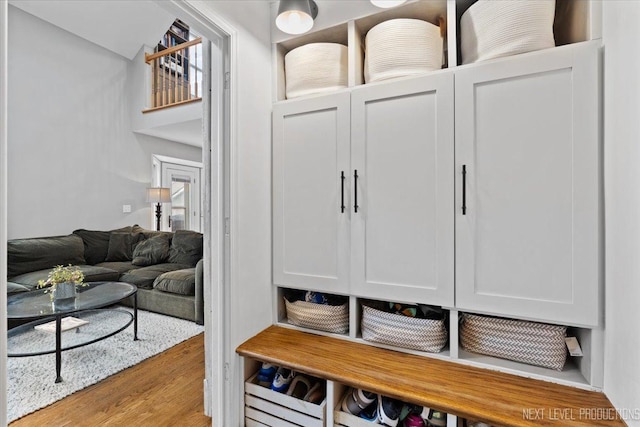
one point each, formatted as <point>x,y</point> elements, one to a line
<point>30,380</point>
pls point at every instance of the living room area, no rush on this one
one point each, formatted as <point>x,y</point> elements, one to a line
<point>81,158</point>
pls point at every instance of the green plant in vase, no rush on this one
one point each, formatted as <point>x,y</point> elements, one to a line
<point>62,281</point>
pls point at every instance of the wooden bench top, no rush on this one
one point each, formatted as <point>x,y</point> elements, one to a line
<point>493,397</point>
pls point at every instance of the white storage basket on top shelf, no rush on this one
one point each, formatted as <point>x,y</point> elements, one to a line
<point>315,68</point>
<point>402,47</point>
<point>538,344</point>
<point>493,29</point>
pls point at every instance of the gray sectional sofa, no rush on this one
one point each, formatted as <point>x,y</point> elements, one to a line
<point>166,267</point>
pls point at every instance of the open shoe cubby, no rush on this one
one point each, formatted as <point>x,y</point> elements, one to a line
<point>265,407</point>
<point>575,21</point>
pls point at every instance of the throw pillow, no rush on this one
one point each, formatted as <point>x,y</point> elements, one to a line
<point>182,282</point>
<point>96,245</point>
<point>154,250</point>
<point>186,247</point>
<point>121,245</point>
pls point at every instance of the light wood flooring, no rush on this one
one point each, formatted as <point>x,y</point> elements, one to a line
<point>165,390</point>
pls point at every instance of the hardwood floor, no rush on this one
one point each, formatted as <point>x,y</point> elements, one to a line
<point>165,390</point>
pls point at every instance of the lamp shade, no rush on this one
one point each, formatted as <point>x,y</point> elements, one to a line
<point>296,16</point>
<point>387,3</point>
<point>158,195</point>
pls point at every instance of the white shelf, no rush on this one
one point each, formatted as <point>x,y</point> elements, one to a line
<point>576,21</point>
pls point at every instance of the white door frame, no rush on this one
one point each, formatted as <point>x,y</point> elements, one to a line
<point>4,24</point>
<point>218,200</point>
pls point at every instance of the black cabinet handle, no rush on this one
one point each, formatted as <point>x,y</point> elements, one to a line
<point>342,191</point>
<point>464,189</point>
<point>355,194</point>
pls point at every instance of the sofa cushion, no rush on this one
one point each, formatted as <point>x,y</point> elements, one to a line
<point>15,288</point>
<point>92,273</point>
<point>151,233</point>
<point>96,245</point>
<point>27,255</point>
<point>186,248</point>
<point>181,282</point>
<point>144,277</point>
<point>119,266</point>
<point>154,250</point>
<point>121,245</point>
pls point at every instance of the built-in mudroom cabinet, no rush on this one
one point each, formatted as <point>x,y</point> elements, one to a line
<point>528,186</point>
<point>475,189</point>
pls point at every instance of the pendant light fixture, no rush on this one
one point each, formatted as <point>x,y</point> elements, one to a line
<point>296,16</point>
<point>387,3</point>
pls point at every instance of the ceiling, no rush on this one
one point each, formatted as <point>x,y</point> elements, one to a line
<point>117,25</point>
<point>187,132</point>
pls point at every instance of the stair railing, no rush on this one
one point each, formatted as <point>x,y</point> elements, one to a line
<point>176,75</point>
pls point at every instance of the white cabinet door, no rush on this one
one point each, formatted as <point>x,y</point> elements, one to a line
<point>402,233</point>
<point>527,134</point>
<point>310,229</point>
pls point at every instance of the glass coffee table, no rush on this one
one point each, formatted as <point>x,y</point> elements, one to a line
<point>31,340</point>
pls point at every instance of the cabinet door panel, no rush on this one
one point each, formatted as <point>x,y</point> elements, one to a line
<point>527,132</point>
<point>402,148</point>
<point>310,150</point>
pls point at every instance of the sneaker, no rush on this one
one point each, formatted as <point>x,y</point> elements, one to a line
<point>413,420</point>
<point>282,380</point>
<point>388,411</point>
<point>315,297</point>
<point>437,419</point>
<point>316,394</point>
<point>356,400</point>
<point>266,374</point>
<point>370,413</point>
<point>299,387</point>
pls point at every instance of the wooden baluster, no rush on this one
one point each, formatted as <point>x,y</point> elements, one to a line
<point>175,78</point>
<point>195,70</point>
<point>164,71</point>
<point>154,83</point>
<point>181,80</point>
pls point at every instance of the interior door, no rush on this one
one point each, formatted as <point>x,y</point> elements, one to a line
<point>402,231</point>
<point>310,225</point>
<point>528,173</point>
<point>184,184</point>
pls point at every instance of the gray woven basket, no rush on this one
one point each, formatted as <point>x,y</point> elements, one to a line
<point>518,340</point>
<point>322,317</point>
<point>403,331</point>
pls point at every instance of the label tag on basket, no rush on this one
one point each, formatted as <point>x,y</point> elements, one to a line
<point>573,346</point>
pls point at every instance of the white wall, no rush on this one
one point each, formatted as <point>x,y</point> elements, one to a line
<point>251,199</point>
<point>3,211</point>
<point>621,33</point>
<point>73,160</point>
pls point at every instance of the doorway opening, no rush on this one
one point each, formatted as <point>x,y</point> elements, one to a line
<point>184,180</point>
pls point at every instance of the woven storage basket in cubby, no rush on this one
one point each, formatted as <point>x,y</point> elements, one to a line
<point>322,317</point>
<point>315,68</point>
<point>402,47</point>
<point>534,343</point>
<point>403,331</point>
<point>492,29</point>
